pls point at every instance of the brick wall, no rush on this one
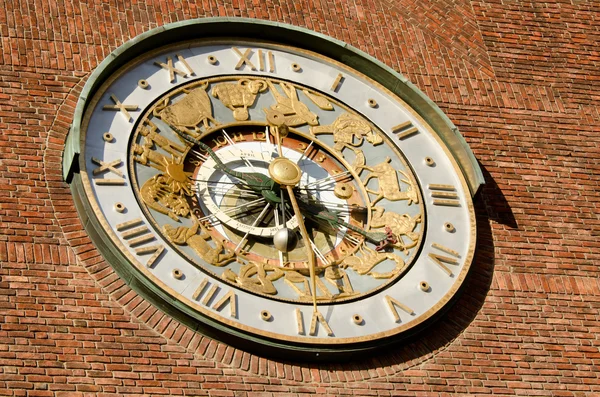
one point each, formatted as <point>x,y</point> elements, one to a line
<point>519,78</point>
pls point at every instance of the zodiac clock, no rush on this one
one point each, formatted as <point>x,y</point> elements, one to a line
<point>273,196</point>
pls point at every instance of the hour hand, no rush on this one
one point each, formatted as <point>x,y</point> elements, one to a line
<point>319,213</point>
<point>256,181</point>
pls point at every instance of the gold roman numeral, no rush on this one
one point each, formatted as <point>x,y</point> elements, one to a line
<point>445,195</point>
<point>393,303</point>
<point>173,70</point>
<point>337,82</point>
<point>229,297</point>
<point>317,318</point>
<point>137,236</point>
<point>265,59</point>
<point>110,167</point>
<point>404,130</point>
<point>121,107</point>
<point>442,260</point>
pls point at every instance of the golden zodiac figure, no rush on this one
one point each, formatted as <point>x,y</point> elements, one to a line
<point>339,279</point>
<point>239,96</point>
<point>217,256</point>
<point>333,274</point>
<point>293,277</point>
<point>289,109</point>
<point>401,225</point>
<point>348,131</point>
<point>158,194</point>
<point>318,100</point>
<point>176,180</point>
<point>193,109</point>
<point>369,259</point>
<point>256,276</point>
<point>388,184</point>
<point>145,153</point>
<point>151,134</point>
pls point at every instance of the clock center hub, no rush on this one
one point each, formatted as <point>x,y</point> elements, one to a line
<point>285,172</point>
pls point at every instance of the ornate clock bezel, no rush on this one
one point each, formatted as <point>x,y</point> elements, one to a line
<point>384,77</point>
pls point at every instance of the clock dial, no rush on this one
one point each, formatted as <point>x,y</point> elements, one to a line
<point>277,193</point>
<point>197,180</point>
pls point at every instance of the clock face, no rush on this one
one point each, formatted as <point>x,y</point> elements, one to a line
<point>277,193</point>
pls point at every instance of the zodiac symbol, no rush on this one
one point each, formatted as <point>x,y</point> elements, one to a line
<point>371,258</point>
<point>193,109</point>
<point>217,256</point>
<point>389,186</point>
<point>349,131</point>
<point>157,193</point>
<point>238,97</point>
<point>346,129</point>
<point>289,109</point>
<point>258,277</point>
<point>145,153</point>
<point>400,225</point>
<point>150,132</point>
<point>339,279</point>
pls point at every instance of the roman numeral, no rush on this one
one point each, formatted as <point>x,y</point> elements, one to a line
<point>111,167</point>
<point>269,59</point>
<point>173,70</point>
<point>317,318</point>
<point>393,303</point>
<point>441,260</point>
<point>139,236</point>
<point>229,297</point>
<point>404,130</point>
<point>121,107</point>
<point>337,82</point>
<point>444,195</point>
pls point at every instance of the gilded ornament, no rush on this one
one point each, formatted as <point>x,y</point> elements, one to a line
<point>193,109</point>
<point>348,131</point>
<point>289,109</point>
<point>151,132</point>
<point>369,259</point>
<point>339,279</point>
<point>239,96</point>
<point>318,100</point>
<point>158,194</point>
<point>256,276</point>
<point>388,184</point>
<point>217,256</point>
<point>399,224</point>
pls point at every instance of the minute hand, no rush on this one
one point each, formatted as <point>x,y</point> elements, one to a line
<point>256,181</point>
<point>319,213</point>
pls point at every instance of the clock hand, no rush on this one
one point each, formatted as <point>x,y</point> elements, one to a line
<point>245,206</point>
<point>289,186</point>
<point>256,222</point>
<point>330,178</point>
<point>309,251</point>
<point>256,181</point>
<point>320,213</point>
<point>304,153</point>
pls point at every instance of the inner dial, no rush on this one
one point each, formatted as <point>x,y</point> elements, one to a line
<point>215,188</point>
<point>253,222</point>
